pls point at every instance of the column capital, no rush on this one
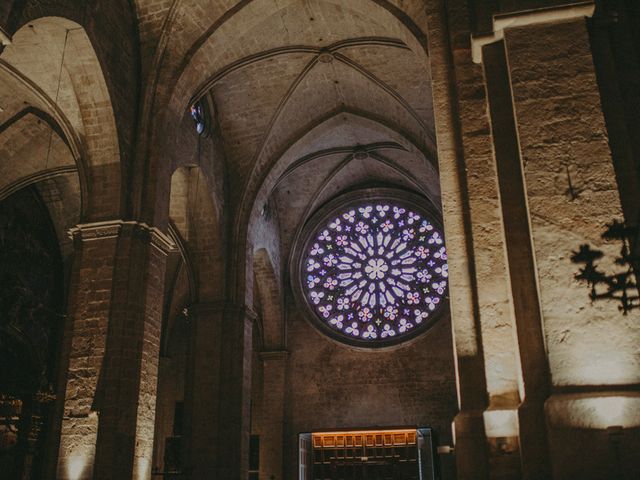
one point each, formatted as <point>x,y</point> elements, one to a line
<point>87,232</point>
<point>502,21</point>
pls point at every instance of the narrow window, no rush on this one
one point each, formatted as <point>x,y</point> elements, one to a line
<point>199,116</point>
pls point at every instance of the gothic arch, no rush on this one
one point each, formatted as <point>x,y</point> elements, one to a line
<point>317,173</point>
<point>177,81</point>
<point>41,143</point>
<point>195,220</point>
<point>32,313</point>
<point>64,78</point>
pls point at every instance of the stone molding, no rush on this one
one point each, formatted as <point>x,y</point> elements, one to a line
<point>528,17</point>
<point>95,231</point>
<point>274,355</point>
<point>88,232</point>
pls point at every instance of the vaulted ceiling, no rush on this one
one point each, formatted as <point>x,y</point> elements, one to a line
<point>310,97</point>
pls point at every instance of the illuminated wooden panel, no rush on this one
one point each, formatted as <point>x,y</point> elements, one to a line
<point>365,454</point>
<point>367,438</point>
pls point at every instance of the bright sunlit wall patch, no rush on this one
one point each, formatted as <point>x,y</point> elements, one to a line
<point>373,272</point>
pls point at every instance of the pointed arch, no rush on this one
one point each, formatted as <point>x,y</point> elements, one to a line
<point>195,219</point>
<point>54,61</point>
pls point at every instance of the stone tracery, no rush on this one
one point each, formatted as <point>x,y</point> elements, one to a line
<point>376,271</point>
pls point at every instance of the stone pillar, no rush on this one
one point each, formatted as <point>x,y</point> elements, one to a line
<point>89,309</point>
<point>218,392</point>
<point>272,423</point>
<point>572,194</point>
<point>483,324</point>
<point>530,426</point>
<point>115,305</point>
<point>570,191</point>
<point>235,383</point>
<point>202,395</point>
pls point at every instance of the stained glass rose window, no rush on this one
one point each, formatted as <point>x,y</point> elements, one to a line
<point>375,272</point>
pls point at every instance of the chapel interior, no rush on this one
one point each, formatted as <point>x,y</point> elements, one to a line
<point>319,239</point>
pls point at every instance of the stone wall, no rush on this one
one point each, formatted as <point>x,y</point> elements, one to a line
<point>536,152</point>
<point>334,386</point>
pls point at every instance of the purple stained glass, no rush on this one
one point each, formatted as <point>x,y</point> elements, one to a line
<point>375,272</point>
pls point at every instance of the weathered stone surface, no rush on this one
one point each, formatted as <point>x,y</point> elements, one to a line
<point>306,100</point>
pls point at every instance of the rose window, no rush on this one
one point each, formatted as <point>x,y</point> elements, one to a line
<point>375,273</point>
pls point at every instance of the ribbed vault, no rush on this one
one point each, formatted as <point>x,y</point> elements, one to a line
<point>57,115</point>
<point>286,67</point>
<point>310,97</point>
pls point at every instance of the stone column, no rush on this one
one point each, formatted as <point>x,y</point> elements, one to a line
<point>90,300</point>
<point>235,402</point>
<point>272,424</point>
<point>217,397</point>
<point>529,421</point>
<point>202,394</point>
<point>570,191</point>
<point>572,194</point>
<point>483,323</point>
<point>113,342</point>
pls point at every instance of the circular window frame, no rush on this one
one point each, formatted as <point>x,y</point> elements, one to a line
<point>306,235</point>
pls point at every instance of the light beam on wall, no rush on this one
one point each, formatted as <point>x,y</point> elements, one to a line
<point>594,412</point>
<point>76,466</point>
<point>142,468</point>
